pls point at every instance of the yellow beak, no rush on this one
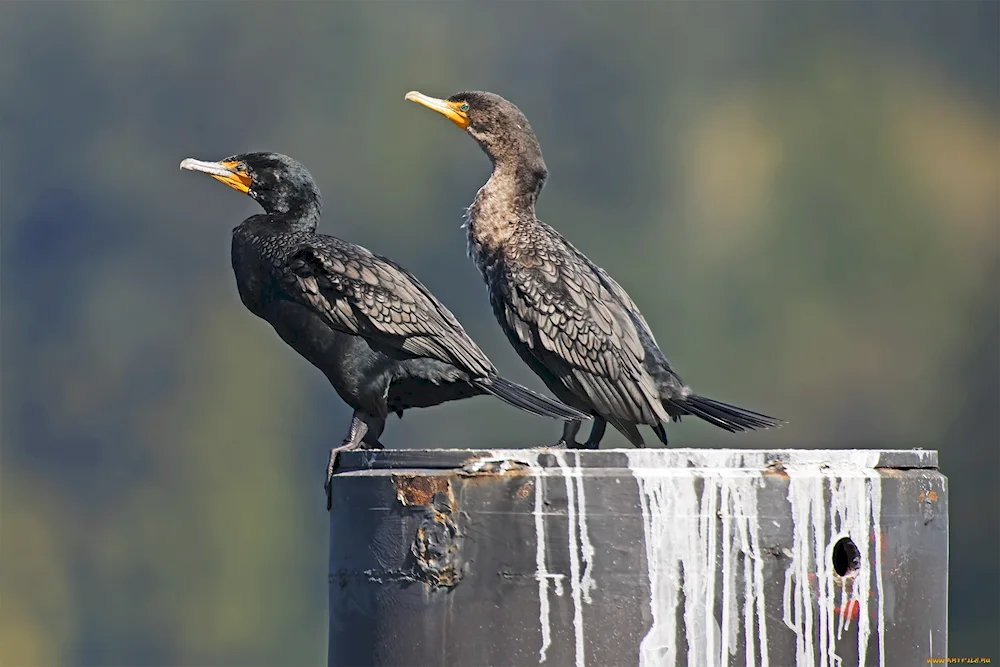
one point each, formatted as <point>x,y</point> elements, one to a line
<point>448,109</point>
<point>224,172</point>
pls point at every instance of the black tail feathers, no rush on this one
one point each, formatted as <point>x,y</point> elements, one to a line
<point>525,399</point>
<point>723,415</point>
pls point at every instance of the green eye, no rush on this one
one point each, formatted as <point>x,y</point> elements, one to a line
<point>464,106</point>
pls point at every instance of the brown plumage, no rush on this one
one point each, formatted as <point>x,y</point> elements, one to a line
<point>566,317</point>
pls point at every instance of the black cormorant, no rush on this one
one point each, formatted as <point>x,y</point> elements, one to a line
<point>566,317</point>
<point>380,337</point>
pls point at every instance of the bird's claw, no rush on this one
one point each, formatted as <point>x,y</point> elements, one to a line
<point>331,466</point>
<point>562,444</point>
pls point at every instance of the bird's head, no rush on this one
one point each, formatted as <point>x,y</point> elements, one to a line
<point>276,182</point>
<point>497,124</point>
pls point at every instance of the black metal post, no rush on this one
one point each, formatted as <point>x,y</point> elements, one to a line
<point>654,557</point>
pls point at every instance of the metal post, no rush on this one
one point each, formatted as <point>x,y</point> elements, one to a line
<point>654,557</point>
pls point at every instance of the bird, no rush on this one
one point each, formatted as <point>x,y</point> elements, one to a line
<point>573,325</point>
<point>384,342</point>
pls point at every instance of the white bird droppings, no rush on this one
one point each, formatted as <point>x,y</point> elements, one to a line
<point>701,527</point>
<point>840,498</point>
<point>581,551</point>
<point>683,544</point>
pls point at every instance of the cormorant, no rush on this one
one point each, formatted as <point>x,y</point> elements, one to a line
<point>385,343</point>
<point>566,317</point>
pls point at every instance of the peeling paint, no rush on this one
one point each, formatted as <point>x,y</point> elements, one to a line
<point>437,543</point>
<point>493,465</point>
<point>420,489</point>
<point>436,549</point>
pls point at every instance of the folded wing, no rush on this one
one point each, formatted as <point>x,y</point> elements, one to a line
<point>361,293</point>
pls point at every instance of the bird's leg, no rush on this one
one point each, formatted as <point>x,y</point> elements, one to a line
<point>596,433</point>
<point>568,440</point>
<point>354,440</point>
<point>375,427</point>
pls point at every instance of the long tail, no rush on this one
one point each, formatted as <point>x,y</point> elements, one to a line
<point>723,415</point>
<point>525,399</point>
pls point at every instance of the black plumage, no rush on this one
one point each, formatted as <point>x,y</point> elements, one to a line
<point>380,337</point>
<point>566,317</point>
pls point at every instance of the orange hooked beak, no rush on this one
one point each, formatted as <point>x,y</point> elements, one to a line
<point>234,174</point>
<point>451,110</point>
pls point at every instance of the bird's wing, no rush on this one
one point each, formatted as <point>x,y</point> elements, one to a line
<point>557,305</point>
<point>622,297</point>
<point>658,360</point>
<point>364,294</point>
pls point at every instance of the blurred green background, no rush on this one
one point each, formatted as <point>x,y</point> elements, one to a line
<point>803,198</point>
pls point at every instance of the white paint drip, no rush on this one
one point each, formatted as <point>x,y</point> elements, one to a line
<point>506,458</point>
<point>683,542</point>
<point>740,496</point>
<point>581,550</point>
<point>876,495</point>
<point>586,548</point>
<point>576,528</point>
<point>541,571</point>
<point>853,511</point>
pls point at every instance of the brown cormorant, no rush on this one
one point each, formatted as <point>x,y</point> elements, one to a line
<point>566,317</point>
<point>385,343</point>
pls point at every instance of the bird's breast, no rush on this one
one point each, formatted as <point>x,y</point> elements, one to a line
<point>254,272</point>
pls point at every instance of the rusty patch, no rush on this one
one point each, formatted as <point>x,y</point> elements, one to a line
<point>420,490</point>
<point>928,496</point>
<point>437,550</point>
<point>776,467</point>
<point>524,490</point>
<point>928,500</point>
<point>437,542</point>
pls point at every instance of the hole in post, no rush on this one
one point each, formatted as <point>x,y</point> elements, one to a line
<point>846,557</point>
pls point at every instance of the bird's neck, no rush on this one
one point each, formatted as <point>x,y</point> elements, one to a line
<point>302,216</point>
<point>505,201</point>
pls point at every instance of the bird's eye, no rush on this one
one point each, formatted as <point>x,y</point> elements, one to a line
<point>464,106</point>
<point>242,167</point>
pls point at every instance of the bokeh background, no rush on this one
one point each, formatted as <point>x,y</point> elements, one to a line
<point>803,197</point>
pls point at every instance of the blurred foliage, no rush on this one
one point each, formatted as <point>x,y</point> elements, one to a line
<point>804,199</point>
